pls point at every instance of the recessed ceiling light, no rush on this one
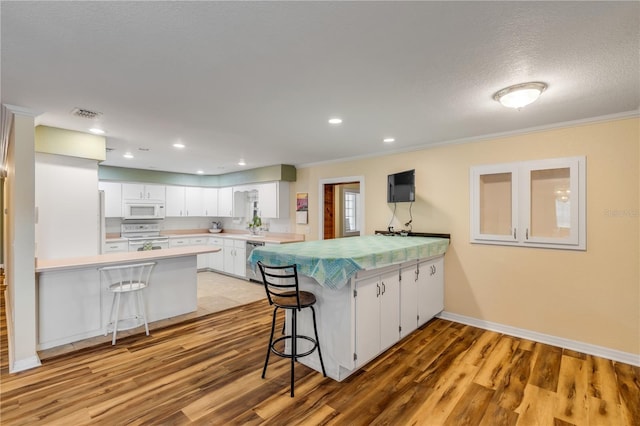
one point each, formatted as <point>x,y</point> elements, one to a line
<point>388,140</point>
<point>97,131</point>
<point>178,145</point>
<point>335,120</point>
<point>127,155</point>
<point>200,172</point>
<point>520,95</point>
<point>241,163</point>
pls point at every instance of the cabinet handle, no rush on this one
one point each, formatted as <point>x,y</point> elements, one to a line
<point>526,234</point>
<point>514,233</point>
<point>378,294</point>
<point>384,289</point>
<point>148,195</point>
<point>141,195</point>
<point>417,273</point>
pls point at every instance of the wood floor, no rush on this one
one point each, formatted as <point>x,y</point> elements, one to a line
<point>207,371</point>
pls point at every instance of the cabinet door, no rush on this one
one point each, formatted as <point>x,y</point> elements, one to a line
<point>408,300</point>
<point>112,198</point>
<point>240,261</point>
<point>210,202</point>
<point>174,206</point>
<point>389,309</point>
<point>367,319</point>
<point>430,289</point>
<point>193,201</point>
<point>225,202</point>
<point>133,191</point>
<point>178,242</point>
<point>552,190</point>
<point>268,199</point>
<point>228,259</point>
<point>216,260</point>
<point>154,192</point>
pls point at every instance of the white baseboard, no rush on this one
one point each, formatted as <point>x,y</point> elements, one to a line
<point>587,348</point>
<point>24,364</point>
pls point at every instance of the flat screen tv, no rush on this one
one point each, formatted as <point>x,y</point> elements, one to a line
<point>401,187</point>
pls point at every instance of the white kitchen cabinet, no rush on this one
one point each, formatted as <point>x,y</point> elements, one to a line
<point>408,299</point>
<point>179,242</point>
<point>216,260</point>
<point>193,201</point>
<point>273,199</point>
<point>140,191</point>
<point>183,201</point>
<point>377,315</point>
<point>235,253</point>
<point>116,247</point>
<point>210,202</point>
<point>539,203</point>
<point>174,206</point>
<point>430,289</point>
<point>112,198</point>
<point>225,202</point>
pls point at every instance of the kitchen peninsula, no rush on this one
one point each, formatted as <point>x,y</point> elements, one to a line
<point>371,291</point>
<point>73,304</point>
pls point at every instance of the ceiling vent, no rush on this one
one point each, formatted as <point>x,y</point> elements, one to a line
<point>85,113</point>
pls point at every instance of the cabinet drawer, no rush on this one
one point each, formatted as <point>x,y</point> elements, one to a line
<point>198,241</point>
<point>178,242</point>
<point>216,241</point>
<point>230,242</point>
<point>115,247</point>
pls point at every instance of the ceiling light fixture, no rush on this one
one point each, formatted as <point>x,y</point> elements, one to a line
<point>241,163</point>
<point>178,145</point>
<point>520,95</point>
<point>200,172</point>
<point>127,155</point>
<point>388,140</point>
<point>97,131</point>
<point>335,120</point>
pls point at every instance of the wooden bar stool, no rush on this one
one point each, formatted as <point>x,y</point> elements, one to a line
<point>281,285</point>
<point>126,280</point>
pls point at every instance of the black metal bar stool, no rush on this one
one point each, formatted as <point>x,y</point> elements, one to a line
<point>281,285</point>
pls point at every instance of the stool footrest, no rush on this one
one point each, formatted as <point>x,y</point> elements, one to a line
<point>298,355</point>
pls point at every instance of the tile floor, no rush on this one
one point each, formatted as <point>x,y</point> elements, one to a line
<point>216,292</point>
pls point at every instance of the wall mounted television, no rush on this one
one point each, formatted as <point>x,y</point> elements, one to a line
<point>401,187</point>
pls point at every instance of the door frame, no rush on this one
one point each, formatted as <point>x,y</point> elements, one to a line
<point>338,180</point>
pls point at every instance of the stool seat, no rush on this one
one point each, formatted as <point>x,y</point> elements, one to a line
<point>122,280</point>
<point>283,292</point>
<point>287,299</point>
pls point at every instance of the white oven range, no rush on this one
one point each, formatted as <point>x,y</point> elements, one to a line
<point>144,236</point>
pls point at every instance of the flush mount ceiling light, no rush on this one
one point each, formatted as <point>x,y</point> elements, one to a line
<point>520,95</point>
<point>127,155</point>
<point>241,163</point>
<point>388,140</point>
<point>335,120</point>
<point>97,131</point>
<point>178,145</point>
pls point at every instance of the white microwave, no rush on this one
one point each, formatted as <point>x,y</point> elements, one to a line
<point>143,210</point>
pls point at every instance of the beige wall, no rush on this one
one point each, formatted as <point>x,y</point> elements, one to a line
<point>590,296</point>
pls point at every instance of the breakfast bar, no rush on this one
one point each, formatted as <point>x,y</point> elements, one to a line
<point>73,304</point>
<point>371,291</point>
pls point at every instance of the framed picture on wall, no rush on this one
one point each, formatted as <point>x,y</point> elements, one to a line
<point>302,208</point>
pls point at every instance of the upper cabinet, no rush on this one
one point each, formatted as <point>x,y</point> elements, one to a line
<point>112,198</point>
<point>184,201</point>
<point>210,202</point>
<point>138,191</point>
<point>273,199</point>
<point>538,203</point>
<point>225,202</point>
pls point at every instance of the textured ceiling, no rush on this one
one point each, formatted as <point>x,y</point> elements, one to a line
<point>259,80</point>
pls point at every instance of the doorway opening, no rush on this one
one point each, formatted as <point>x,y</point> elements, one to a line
<point>341,207</point>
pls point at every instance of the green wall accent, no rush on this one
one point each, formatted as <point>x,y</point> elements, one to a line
<point>282,172</point>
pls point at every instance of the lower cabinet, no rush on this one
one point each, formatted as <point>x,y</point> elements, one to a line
<point>216,260</point>
<point>430,289</point>
<point>235,254</point>
<point>377,315</point>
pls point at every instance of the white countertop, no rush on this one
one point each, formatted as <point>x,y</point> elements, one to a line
<point>48,265</point>
<point>274,238</point>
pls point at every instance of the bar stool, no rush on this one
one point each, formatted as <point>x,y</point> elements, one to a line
<point>281,285</point>
<point>126,280</point>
